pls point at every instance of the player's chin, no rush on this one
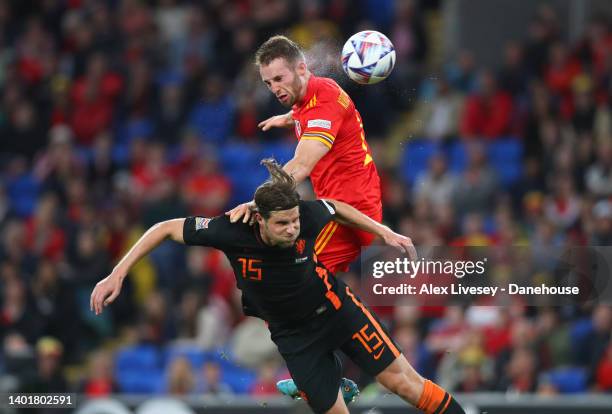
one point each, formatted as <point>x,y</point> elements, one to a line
<point>286,100</point>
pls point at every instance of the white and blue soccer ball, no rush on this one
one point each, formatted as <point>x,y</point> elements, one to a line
<point>368,57</point>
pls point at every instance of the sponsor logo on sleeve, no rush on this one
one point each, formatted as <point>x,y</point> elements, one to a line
<point>319,123</point>
<point>201,223</point>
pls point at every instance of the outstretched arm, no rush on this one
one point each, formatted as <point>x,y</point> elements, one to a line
<point>278,121</point>
<point>107,290</point>
<point>350,216</point>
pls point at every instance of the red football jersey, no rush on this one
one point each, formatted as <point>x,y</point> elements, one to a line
<point>347,172</point>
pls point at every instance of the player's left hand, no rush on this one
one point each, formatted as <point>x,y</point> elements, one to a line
<point>402,243</point>
<point>244,211</point>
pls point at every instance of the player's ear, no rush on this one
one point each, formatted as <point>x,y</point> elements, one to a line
<point>259,219</point>
<point>300,68</point>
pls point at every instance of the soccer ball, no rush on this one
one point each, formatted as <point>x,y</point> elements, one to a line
<point>368,57</point>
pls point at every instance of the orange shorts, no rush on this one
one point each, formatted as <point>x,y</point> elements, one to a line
<point>337,246</point>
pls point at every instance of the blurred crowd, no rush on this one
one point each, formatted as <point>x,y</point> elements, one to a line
<point>117,114</point>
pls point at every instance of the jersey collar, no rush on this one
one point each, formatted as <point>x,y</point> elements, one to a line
<point>258,235</point>
<point>310,90</point>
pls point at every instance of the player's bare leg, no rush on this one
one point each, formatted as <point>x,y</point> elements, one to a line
<point>401,379</point>
<point>339,406</point>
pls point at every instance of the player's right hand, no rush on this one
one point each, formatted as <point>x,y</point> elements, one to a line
<point>244,211</point>
<point>400,242</point>
<point>277,121</point>
<point>105,292</point>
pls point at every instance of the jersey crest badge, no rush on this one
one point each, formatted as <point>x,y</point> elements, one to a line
<point>300,245</point>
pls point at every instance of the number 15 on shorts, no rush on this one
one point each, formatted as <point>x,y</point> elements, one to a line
<point>372,342</point>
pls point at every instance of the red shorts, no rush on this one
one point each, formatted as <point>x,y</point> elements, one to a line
<point>337,246</point>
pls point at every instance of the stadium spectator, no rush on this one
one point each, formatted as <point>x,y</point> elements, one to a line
<point>599,175</point>
<point>18,358</point>
<point>267,376</point>
<point>93,96</point>
<point>18,314</point>
<point>438,116</point>
<point>180,379</point>
<point>461,72</point>
<point>513,76</point>
<point>560,73</point>
<point>437,184</point>
<point>100,377</point>
<point>476,186</point>
<point>602,231</point>
<point>212,116</point>
<point>596,341</point>
<point>469,369</point>
<point>204,189</point>
<point>553,340</point>
<point>48,377</point>
<point>488,112</point>
<point>53,298</point>
<point>604,371</point>
<point>211,382</point>
<point>520,374</point>
<point>23,133</point>
<point>563,207</point>
<point>170,113</point>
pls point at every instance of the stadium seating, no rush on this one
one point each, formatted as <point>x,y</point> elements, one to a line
<point>457,157</point>
<point>416,157</point>
<point>568,380</point>
<point>138,369</point>
<point>240,379</point>
<point>141,369</point>
<point>195,355</point>
<point>504,156</point>
<point>23,192</point>
<point>579,333</point>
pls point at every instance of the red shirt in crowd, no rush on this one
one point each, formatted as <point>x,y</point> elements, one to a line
<point>487,117</point>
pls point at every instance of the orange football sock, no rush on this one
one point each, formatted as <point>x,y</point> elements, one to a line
<point>434,400</point>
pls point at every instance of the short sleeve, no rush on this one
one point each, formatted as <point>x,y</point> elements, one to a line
<point>202,231</point>
<point>317,214</point>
